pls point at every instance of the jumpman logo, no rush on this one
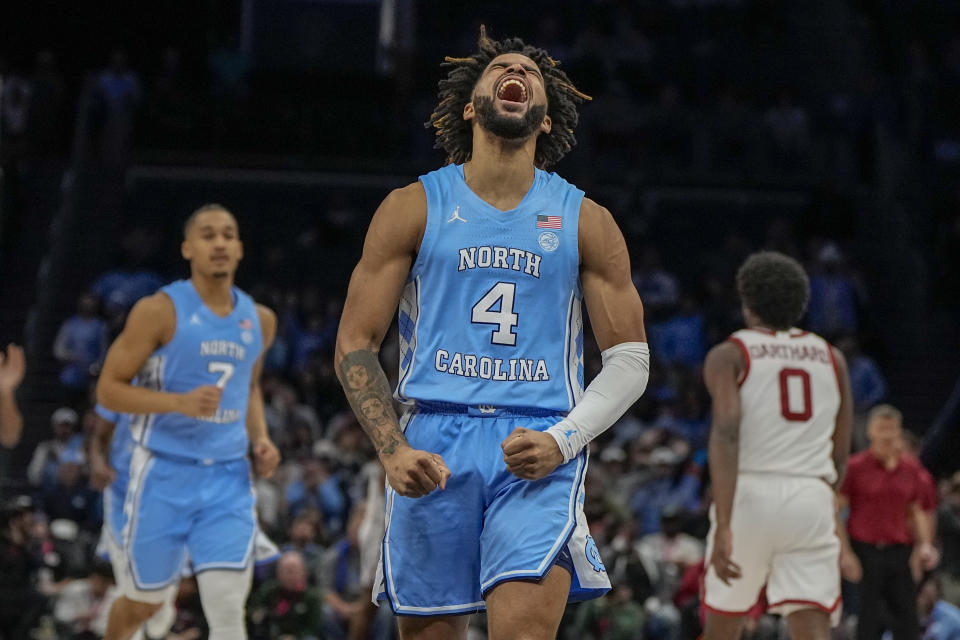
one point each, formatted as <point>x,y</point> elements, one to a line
<point>456,215</point>
<point>195,319</point>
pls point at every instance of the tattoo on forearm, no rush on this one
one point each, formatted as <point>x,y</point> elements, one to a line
<point>368,392</point>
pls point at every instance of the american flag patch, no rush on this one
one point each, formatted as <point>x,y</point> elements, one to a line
<point>246,323</point>
<point>549,222</point>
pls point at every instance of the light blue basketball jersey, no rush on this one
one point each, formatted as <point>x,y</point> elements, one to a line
<point>206,349</point>
<point>121,451</point>
<point>490,315</point>
<point>122,444</point>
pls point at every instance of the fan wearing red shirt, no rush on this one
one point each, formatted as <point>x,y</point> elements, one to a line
<point>888,527</point>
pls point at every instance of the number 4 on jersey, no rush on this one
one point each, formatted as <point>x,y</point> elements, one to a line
<point>496,307</point>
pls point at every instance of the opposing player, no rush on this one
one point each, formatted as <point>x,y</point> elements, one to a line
<point>196,349</point>
<point>489,259</point>
<point>782,414</point>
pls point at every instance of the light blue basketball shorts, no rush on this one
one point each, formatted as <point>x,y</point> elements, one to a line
<point>176,506</point>
<point>444,552</point>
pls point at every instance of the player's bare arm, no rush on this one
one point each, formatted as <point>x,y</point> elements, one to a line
<point>925,556</point>
<point>613,304</point>
<point>151,324</point>
<point>102,474</point>
<point>13,367</point>
<point>721,371</point>
<point>616,315</point>
<point>266,457</point>
<point>850,567</point>
<point>842,433</point>
<point>372,297</point>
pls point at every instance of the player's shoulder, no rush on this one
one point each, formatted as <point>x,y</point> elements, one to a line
<point>153,317</point>
<point>598,232</point>
<point>593,213</point>
<point>408,199</point>
<point>725,354</point>
<point>267,317</point>
<point>156,305</point>
<point>402,214</point>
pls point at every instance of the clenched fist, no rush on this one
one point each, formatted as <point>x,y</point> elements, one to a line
<point>531,455</point>
<point>266,457</point>
<point>413,473</point>
<point>202,402</point>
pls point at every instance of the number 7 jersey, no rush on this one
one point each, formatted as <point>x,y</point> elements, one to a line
<point>789,399</point>
<point>491,313</point>
<point>206,349</point>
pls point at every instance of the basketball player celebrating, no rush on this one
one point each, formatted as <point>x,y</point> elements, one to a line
<point>782,413</point>
<point>196,349</point>
<point>489,258</point>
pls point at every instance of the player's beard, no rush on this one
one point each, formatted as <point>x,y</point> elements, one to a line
<point>506,127</point>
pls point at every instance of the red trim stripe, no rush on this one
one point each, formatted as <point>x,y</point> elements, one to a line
<point>746,359</point>
<point>726,614</point>
<point>809,602</point>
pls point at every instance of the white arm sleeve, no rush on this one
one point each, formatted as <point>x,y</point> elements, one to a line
<point>621,381</point>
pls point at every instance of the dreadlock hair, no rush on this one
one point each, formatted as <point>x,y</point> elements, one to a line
<point>774,287</point>
<point>455,135</point>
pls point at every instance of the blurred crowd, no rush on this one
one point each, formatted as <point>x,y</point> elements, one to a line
<point>714,90</point>
<point>647,488</point>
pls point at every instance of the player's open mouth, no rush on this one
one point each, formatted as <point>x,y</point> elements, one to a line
<point>512,90</point>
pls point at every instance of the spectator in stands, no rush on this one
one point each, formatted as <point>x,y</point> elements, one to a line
<point>867,382</point>
<point>13,367</point>
<point>189,623</point>
<point>657,286</point>
<point>82,607</point>
<point>14,111</point>
<point>65,446</point>
<point>319,489</point>
<point>344,593</point>
<point>118,94</point>
<point>21,604</point>
<point>681,338</point>
<point>671,486</point>
<point>615,617</point>
<point>948,529</point>
<point>71,498</point>
<point>834,295</point>
<point>303,539</point>
<point>885,493</point>
<point>81,344</point>
<point>939,618</point>
<point>119,288</point>
<point>667,554</point>
<point>286,608</point>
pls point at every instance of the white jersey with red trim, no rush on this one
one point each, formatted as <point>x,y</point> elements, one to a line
<point>789,397</point>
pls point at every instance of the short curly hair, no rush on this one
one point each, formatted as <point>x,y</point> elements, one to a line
<point>774,287</point>
<point>455,135</point>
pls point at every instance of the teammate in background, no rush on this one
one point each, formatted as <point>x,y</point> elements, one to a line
<point>782,415</point>
<point>109,451</point>
<point>196,349</point>
<point>489,258</point>
<point>13,367</point>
